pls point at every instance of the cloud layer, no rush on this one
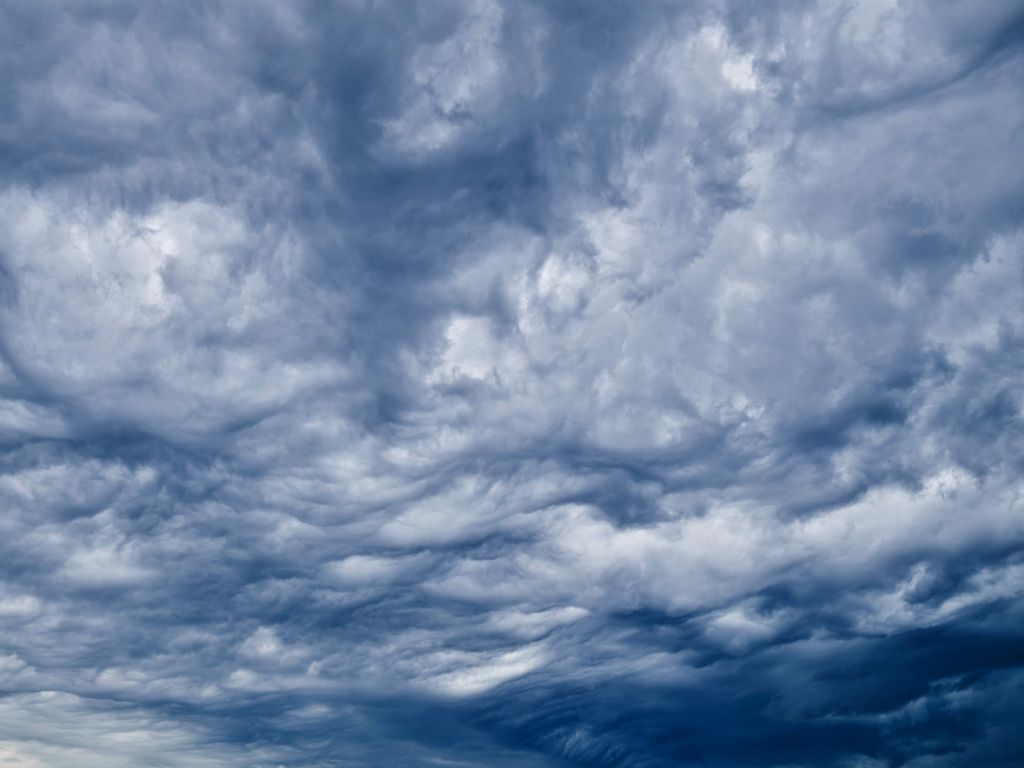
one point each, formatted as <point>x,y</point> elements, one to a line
<point>511,384</point>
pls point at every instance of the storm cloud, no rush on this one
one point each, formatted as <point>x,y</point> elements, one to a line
<point>540,383</point>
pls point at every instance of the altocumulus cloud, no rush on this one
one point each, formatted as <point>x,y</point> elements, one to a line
<point>529,383</point>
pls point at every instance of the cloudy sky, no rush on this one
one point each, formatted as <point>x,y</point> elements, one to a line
<point>533,383</point>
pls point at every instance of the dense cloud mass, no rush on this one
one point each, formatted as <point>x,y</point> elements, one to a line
<point>525,383</point>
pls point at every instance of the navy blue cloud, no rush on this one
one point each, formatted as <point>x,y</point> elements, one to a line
<point>511,384</point>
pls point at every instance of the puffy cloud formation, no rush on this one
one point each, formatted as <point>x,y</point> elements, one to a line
<point>542,383</point>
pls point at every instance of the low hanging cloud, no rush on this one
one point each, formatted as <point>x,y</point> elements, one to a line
<point>511,384</point>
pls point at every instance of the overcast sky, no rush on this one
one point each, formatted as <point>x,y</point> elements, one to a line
<point>511,384</point>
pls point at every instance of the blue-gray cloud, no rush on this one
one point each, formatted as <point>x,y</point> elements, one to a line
<point>511,384</point>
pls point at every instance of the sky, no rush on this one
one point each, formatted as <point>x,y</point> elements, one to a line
<point>537,383</point>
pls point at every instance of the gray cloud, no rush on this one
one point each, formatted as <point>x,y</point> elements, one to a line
<point>477,383</point>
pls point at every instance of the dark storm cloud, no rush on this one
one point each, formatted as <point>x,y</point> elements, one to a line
<point>480,383</point>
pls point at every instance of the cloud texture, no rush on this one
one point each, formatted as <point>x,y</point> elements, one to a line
<point>527,383</point>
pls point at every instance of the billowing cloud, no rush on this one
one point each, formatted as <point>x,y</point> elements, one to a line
<point>511,384</point>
